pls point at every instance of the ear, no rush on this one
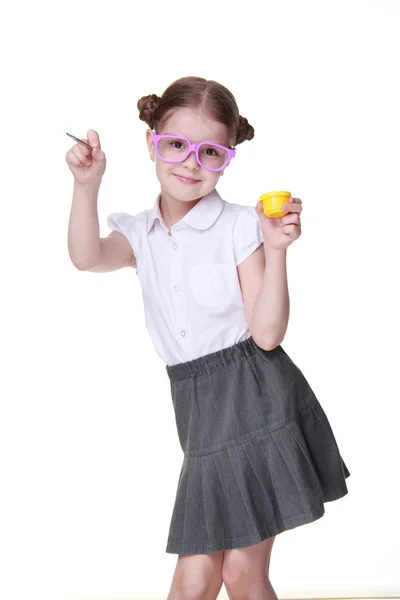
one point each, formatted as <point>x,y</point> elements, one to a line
<point>150,145</point>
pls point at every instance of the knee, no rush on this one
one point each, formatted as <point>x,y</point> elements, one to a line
<point>234,575</point>
<point>197,586</point>
<point>241,580</point>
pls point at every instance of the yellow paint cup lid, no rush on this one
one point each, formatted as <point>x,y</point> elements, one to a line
<point>282,193</point>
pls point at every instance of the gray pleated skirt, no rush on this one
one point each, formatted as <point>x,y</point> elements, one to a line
<point>260,456</point>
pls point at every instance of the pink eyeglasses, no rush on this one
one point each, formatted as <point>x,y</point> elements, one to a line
<point>174,149</point>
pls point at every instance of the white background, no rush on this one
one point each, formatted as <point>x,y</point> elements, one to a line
<point>89,454</point>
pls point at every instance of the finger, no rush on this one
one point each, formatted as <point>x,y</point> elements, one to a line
<point>293,207</point>
<point>259,211</point>
<point>86,151</point>
<point>80,153</point>
<point>93,138</point>
<point>73,159</point>
<point>98,157</point>
<point>295,200</point>
<point>291,218</point>
<point>292,230</point>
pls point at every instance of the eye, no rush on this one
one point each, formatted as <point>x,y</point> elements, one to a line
<point>211,151</point>
<point>177,144</point>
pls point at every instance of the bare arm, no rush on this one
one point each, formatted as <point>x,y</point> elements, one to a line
<point>263,279</point>
<point>87,251</point>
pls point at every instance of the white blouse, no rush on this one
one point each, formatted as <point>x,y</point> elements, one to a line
<point>192,298</point>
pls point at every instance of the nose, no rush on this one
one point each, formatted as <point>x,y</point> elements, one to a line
<point>191,162</point>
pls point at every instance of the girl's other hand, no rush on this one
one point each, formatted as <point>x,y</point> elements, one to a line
<point>281,232</point>
<point>87,166</point>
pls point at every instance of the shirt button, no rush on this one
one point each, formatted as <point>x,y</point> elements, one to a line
<point>176,287</point>
<point>183,333</point>
<point>174,246</point>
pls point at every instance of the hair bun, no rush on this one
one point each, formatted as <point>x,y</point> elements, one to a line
<point>147,106</point>
<point>245,131</point>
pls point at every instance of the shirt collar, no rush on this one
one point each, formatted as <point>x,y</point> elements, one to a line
<point>201,216</point>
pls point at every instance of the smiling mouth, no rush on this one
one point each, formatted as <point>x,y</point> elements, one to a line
<point>186,179</point>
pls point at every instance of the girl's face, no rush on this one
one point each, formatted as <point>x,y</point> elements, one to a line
<point>187,180</point>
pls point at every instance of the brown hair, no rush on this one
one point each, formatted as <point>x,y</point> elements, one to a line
<point>196,92</point>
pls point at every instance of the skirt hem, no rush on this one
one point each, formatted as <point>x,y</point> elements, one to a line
<point>176,547</point>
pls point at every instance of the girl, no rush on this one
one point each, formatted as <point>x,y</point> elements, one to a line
<point>260,456</point>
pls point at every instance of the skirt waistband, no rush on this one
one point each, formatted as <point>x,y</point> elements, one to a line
<point>211,362</point>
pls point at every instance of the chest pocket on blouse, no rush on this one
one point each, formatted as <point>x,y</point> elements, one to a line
<point>215,287</point>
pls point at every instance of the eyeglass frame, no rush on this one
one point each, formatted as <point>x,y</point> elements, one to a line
<point>192,148</point>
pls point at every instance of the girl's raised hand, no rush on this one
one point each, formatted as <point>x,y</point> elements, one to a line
<point>87,166</point>
<point>279,233</point>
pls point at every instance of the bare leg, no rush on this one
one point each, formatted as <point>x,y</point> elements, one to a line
<point>197,577</point>
<point>245,572</point>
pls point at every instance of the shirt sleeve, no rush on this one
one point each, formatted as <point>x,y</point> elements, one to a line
<point>127,225</point>
<point>247,234</point>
